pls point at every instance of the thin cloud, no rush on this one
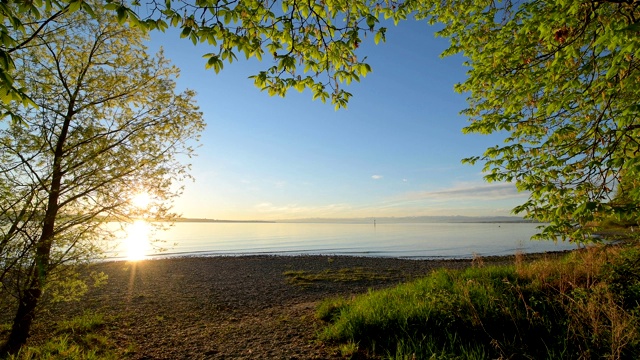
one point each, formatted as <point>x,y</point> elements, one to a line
<point>280,184</point>
<point>497,191</point>
<point>377,177</point>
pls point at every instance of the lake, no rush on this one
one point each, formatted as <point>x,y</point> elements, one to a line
<point>409,240</point>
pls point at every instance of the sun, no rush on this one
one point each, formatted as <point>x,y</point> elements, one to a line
<point>141,200</point>
<point>137,242</point>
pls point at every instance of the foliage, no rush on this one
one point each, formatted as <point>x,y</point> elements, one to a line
<point>108,126</point>
<point>78,338</point>
<point>573,307</point>
<point>313,44</point>
<point>624,277</point>
<point>560,79</point>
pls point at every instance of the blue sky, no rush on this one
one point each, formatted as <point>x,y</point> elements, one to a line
<point>395,151</point>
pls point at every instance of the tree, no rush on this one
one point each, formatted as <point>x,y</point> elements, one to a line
<point>108,125</point>
<point>313,43</point>
<point>561,80</point>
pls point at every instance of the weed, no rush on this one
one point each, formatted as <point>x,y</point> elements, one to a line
<point>477,260</point>
<point>348,349</point>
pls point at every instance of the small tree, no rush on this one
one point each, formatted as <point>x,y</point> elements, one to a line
<point>561,79</point>
<point>108,126</point>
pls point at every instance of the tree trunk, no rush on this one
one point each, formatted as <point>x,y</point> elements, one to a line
<point>29,300</point>
<point>22,322</point>
<point>26,312</point>
<point>37,277</point>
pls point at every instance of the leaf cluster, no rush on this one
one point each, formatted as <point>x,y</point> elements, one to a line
<point>560,80</point>
<point>313,44</point>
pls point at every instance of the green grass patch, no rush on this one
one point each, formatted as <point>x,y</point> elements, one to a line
<point>584,305</point>
<point>82,324</point>
<point>80,338</point>
<point>355,274</point>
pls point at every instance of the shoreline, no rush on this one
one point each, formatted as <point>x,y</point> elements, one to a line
<point>238,307</point>
<point>209,254</point>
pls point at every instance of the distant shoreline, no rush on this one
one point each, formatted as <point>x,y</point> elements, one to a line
<point>379,220</point>
<point>196,220</point>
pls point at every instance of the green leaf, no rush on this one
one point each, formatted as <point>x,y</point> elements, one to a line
<point>371,21</point>
<point>112,6</point>
<point>86,7</point>
<point>380,36</point>
<point>299,85</point>
<point>635,27</point>
<point>121,14</point>
<point>214,62</point>
<point>186,31</point>
<point>175,20</point>
<point>75,5</point>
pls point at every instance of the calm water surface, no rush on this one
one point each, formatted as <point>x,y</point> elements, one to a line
<point>415,241</point>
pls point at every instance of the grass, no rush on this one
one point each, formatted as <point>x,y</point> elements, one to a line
<point>355,274</point>
<point>585,305</point>
<point>84,323</point>
<point>80,338</point>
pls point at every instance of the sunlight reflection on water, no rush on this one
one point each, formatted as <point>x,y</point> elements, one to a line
<point>137,241</point>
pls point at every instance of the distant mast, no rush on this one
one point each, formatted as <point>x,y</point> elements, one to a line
<point>374,222</point>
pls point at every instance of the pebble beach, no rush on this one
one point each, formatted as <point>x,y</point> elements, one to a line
<point>244,307</point>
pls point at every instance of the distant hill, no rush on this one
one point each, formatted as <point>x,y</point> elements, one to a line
<point>379,220</point>
<point>414,219</point>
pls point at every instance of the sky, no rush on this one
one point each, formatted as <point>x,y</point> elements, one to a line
<point>395,151</point>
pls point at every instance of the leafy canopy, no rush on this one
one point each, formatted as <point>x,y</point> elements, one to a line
<point>313,44</point>
<point>562,80</point>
